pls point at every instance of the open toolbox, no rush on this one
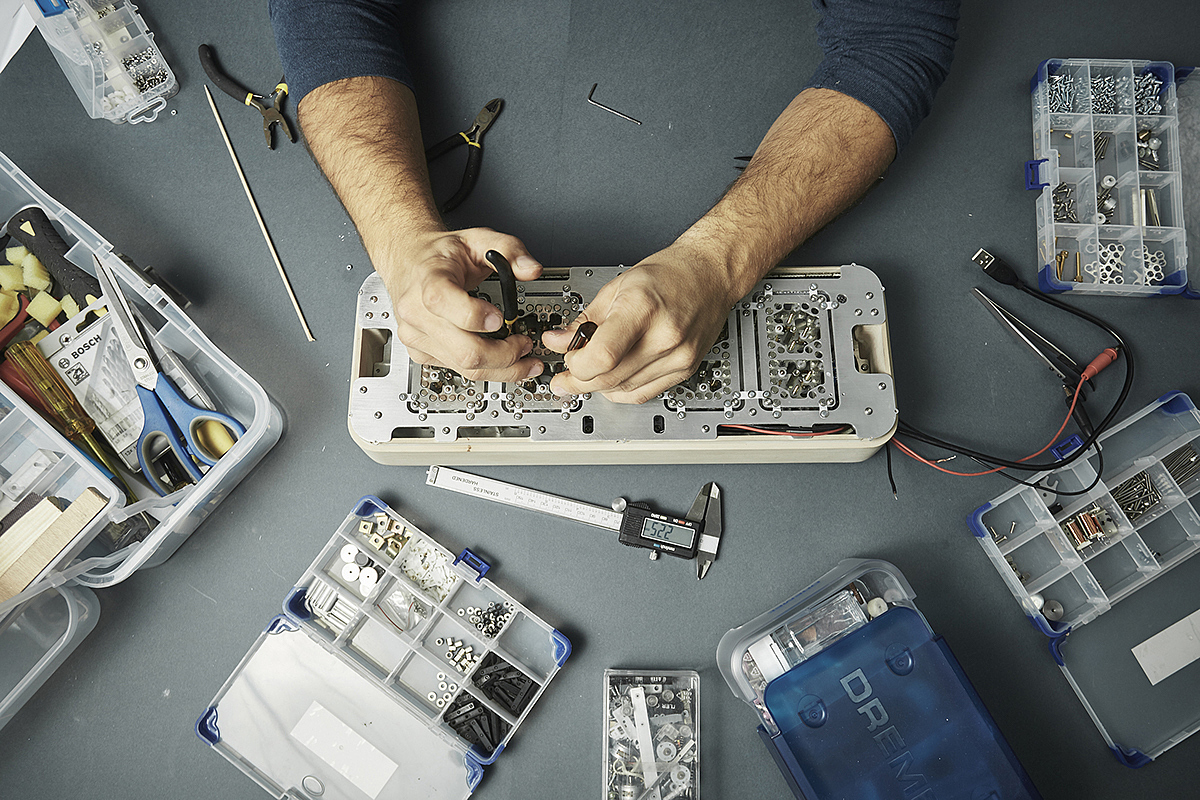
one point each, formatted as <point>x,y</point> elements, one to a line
<point>37,461</point>
<point>1113,568</point>
<point>807,351</point>
<point>1116,161</point>
<point>856,696</point>
<point>396,670</point>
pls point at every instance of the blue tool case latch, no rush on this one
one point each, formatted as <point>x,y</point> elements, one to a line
<point>1031,174</point>
<point>474,562</point>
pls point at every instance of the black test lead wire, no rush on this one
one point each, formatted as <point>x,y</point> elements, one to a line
<point>1001,272</point>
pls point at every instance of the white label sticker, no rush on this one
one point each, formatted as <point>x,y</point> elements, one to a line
<point>350,755</point>
<point>1170,650</point>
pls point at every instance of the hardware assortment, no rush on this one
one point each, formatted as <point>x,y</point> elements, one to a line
<point>1126,540</point>
<point>651,745</point>
<point>402,655</point>
<point>504,684</point>
<point>109,56</point>
<point>1107,161</point>
<point>801,366</point>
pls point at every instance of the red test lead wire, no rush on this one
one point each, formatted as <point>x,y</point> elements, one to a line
<point>1107,356</point>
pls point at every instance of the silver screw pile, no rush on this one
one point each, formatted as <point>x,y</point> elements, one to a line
<point>1146,94</point>
<point>1137,495</point>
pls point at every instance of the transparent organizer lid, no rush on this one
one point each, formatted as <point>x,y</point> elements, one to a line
<point>1187,82</point>
<point>298,719</point>
<point>1104,662</point>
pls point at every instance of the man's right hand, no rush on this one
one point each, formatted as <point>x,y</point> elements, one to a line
<point>428,276</point>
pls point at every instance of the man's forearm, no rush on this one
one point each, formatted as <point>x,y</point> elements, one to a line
<point>821,154</point>
<point>374,160</point>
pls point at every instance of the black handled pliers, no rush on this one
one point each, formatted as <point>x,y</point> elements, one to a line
<point>267,105</point>
<point>473,138</point>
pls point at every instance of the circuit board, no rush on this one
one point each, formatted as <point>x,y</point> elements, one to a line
<point>806,352</point>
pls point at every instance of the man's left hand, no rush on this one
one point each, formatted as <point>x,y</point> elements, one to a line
<point>656,321</point>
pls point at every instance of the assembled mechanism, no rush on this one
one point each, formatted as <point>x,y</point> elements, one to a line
<point>805,354</point>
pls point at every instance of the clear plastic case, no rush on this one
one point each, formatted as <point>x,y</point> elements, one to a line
<point>1108,161</point>
<point>852,688</point>
<point>108,55</point>
<point>651,735</point>
<point>1111,567</point>
<point>394,648</point>
<point>60,469</point>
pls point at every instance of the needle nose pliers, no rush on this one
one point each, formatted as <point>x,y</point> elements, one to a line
<point>473,137</point>
<point>267,105</point>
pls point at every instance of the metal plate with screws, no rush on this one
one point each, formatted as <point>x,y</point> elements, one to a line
<point>807,349</point>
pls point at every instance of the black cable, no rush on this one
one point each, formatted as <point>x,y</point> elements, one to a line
<point>1000,271</point>
<point>887,447</point>
<point>1037,485</point>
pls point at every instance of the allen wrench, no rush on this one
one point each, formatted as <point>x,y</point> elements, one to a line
<point>606,108</point>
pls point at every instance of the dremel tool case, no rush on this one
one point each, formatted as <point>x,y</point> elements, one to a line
<point>857,697</point>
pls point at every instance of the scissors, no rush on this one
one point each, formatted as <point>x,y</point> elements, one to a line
<point>168,418</point>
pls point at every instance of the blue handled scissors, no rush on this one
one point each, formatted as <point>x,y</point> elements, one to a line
<point>169,419</point>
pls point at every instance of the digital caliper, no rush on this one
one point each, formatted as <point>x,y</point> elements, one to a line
<point>696,535</point>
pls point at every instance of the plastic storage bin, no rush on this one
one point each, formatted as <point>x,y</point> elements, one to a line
<point>36,639</point>
<point>651,734</point>
<point>396,670</point>
<point>108,56</point>
<point>1109,164</point>
<point>88,560</point>
<point>857,697</point>
<point>1114,569</point>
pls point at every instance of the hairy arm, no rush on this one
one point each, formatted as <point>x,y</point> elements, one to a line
<point>376,163</point>
<point>821,154</point>
<point>884,61</point>
<point>344,61</point>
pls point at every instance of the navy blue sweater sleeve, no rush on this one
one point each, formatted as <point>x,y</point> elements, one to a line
<point>321,41</point>
<point>891,55</point>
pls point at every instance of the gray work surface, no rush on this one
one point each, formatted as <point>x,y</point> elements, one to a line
<point>582,186</point>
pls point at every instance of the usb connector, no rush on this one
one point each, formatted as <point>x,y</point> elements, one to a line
<point>996,269</point>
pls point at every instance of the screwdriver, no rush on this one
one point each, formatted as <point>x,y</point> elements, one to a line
<point>56,396</point>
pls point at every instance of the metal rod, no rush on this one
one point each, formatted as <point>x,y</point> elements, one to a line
<point>606,108</point>
<point>261,225</point>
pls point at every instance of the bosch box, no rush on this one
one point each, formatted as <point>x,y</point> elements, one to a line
<point>41,624</point>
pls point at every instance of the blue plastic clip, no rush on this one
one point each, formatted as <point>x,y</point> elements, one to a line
<point>562,647</point>
<point>1131,756</point>
<point>1066,446</point>
<point>1031,174</point>
<point>474,769</point>
<point>294,605</point>
<point>975,520</point>
<point>474,562</point>
<point>52,8</point>
<point>206,726</point>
